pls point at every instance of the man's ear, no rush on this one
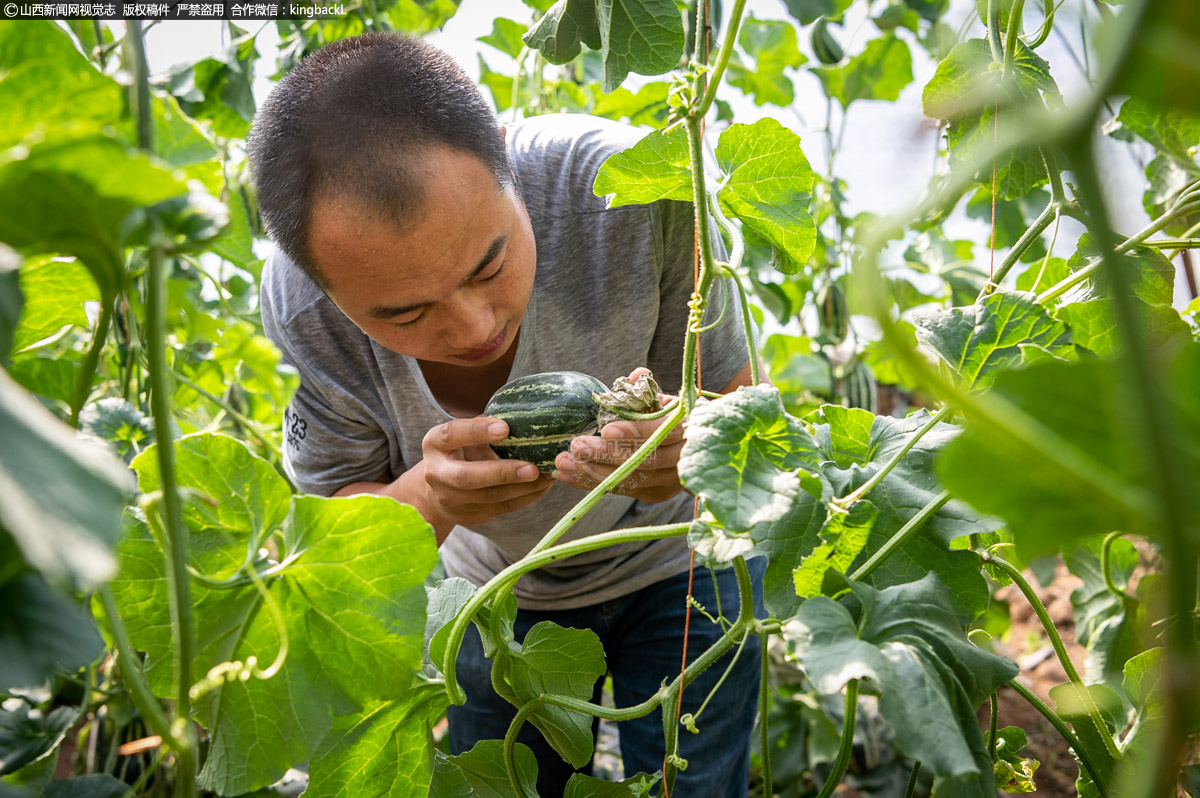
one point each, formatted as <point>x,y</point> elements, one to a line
<point>503,133</point>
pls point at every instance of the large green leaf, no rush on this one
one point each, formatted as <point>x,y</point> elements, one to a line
<point>965,91</point>
<point>347,589</point>
<point>27,735</point>
<point>42,631</point>
<point>657,167</point>
<point>978,341</point>
<point>62,497</point>
<point>637,786</point>
<point>879,72</point>
<point>1094,324</point>
<point>768,185</point>
<point>480,773</point>
<point>505,36</point>
<point>843,537</point>
<point>71,196</point>
<point>558,661</point>
<point>643,36</point>
<point>1175,133</point>
<point>47,84</point>
<point>55,292</point>
<point>563,28</point>
<point>52,378</point>
<point>382,752</point>
<point>1087,406</point>
<point>907,642</point>
<point>1149,274</point>
<point>773,47</point>
<point>747,459</point>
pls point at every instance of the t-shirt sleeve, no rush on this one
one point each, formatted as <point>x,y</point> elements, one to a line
<point>330,437</point>
<point>723,352</point>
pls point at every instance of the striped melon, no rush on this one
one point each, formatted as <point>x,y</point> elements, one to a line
<point>544,412</point>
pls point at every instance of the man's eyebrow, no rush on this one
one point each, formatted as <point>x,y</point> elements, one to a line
<point>493,251</point>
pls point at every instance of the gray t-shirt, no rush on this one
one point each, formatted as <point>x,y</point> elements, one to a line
<point>610,294</point>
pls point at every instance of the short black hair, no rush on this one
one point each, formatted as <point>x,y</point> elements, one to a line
<point>351,121</point>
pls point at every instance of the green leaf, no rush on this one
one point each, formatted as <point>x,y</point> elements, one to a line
<point>42,631</point>
<point>93,785</point>
<point>979,341</point>
<point>1105,622</point>
<point>218,89</point>
<point>12,298</point>
<point>966,89</point>
<point>648,107</point>
<point>444,602</point>
<point>71,196</point>
<point>1150,275</point>
<point>808,11</point>
<point>582,786</point>
<point>62,497</point>
<point>908,642</point>
<point>1041,276</point>
<point>480,773</point>
<point>773,47</point>
<point>114,420</point>
<point>1094,324</point>
<point>1014,773</point>
<point>421,16</point>
<point>348,589</point>
<point>559,33</point>
<point>46,84</point>
<point>746,458</point>
<point>505,36</point>
<point>657,167</point>
<point>55,292</point>
<point>643,36</point>
<point>1085,404</point>
<point>1162,69</point>
<point>558,661</point>
<point>1175,133</point>
<point>385,750</point>
<point>1072,706</point>
<point>879,72</point>
<point>28,735</point>
<point>50,378</point>
<point>768,186</point>
<point>1013,218</point>
<point>843,537</point>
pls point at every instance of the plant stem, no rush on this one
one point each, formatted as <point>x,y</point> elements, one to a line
<point>911,789</point>
<point>993,26</point>
<point>902,534</point>
<point>993,724</point>
<point>1060,649</point>
<point>718,70</point>
<point>597,493</point>
<point>510,742</point>
<point>707,263</point>
<point>87,371</point>
<point>847,746</point>
<point>176,538</point>
<point>1018,249</point>
<point>1061,727</point>
<point>1013,35</point>
<point>252,426</point>
<point>1106,562</point>
<point>504,580</point>
<point>894,460</point>
<point>764,707</point>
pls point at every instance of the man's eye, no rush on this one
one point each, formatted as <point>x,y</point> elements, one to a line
<point>408,323</point>
<point>494,274</point>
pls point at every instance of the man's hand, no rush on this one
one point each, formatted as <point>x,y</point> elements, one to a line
<point>460,480</point>
<point>466,482</point>
<point>593,458</point>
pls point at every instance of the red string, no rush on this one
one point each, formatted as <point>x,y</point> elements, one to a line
<point>687,617</point>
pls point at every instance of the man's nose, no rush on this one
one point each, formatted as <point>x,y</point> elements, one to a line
<point>469,324</point>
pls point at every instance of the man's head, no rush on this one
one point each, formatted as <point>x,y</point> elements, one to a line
<point>352,123</point>
<point>382,173</point>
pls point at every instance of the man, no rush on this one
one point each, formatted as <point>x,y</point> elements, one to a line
<point>425,258</point>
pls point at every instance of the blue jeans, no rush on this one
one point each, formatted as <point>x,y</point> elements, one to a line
<point>642,635</point>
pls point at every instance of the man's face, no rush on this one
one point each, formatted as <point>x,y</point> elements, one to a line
<point>451,288</point>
